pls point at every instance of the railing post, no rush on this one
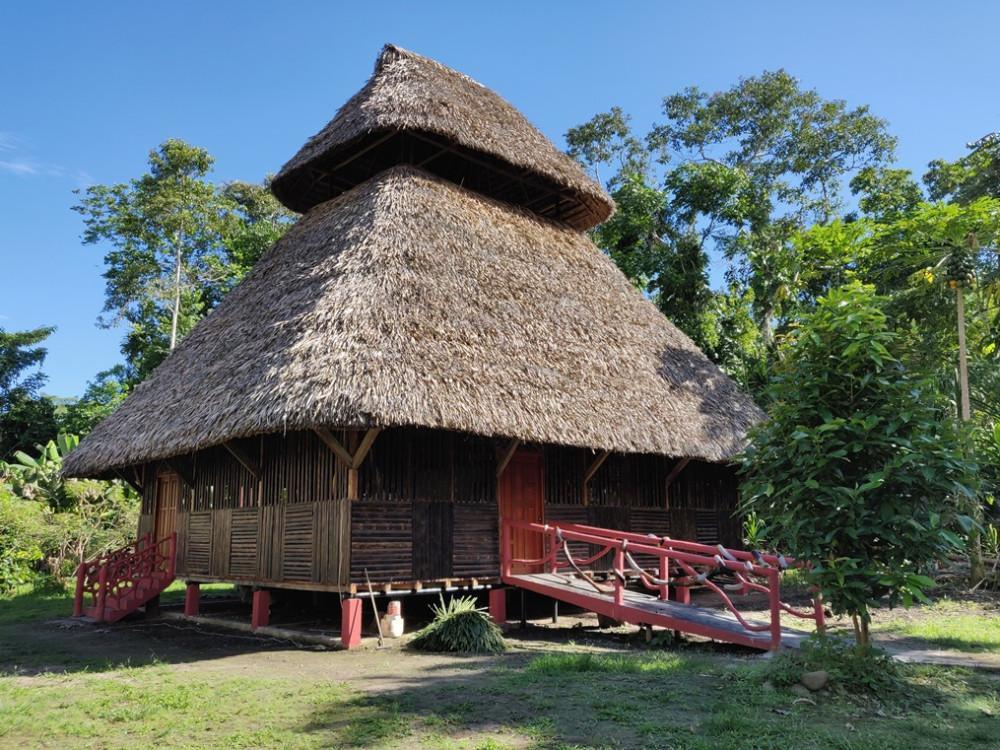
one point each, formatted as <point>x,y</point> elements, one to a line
<point>173,554</point>
<point>102,592</point>
<point>772,579</point>
<point>553,551</point>
<point>619,567</point>
<point>81,577</point>
<point>664,575</point>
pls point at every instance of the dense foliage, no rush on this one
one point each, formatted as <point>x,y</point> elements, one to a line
<point>859,465</point>
<point>49,524</point>
<point>26,417</point>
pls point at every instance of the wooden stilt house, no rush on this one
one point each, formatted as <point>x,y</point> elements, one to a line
<point>435,345</point>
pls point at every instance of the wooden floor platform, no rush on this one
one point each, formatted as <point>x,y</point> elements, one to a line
<point>642,609</point>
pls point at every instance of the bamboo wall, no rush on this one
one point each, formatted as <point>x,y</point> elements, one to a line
<point>426,508</point>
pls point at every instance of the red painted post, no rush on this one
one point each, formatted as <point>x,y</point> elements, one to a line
<point>664,575</point>
<point>553,550</point>
<point>498,605</point>
<point>772,576</point>
<point>619,584</point>
<point>81,576</point>
<point>350,623</point>
<point>682,594</point>
<point>102,592</point>
<point>261,609</point>
<point>173,555</point>
<point>191,597</point>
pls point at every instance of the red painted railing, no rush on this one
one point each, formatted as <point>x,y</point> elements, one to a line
<point>126,578</point>
<point>681,564</point>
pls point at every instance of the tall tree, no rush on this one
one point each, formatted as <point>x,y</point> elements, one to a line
<point>166,230</point>
<point>738,172</point>
<point>975,175</point>
<point>26,417</point>
<point>179,243</point>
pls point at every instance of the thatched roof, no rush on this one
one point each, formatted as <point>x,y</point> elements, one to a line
<point>411,301</point>
<point>417,111</point>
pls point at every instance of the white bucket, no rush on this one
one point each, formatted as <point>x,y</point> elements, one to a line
<point>392,625</point>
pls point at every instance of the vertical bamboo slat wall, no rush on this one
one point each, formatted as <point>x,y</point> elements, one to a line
<point>426,508</point>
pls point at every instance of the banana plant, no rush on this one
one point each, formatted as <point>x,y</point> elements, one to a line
<point>38,477</point>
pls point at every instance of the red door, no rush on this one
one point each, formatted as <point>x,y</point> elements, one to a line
<point>521,495</point>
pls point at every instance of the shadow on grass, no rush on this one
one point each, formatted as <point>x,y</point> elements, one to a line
<point>647,699</point>
<point>38,635</point>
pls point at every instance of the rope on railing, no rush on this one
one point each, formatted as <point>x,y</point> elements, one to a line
<point>583,574</point>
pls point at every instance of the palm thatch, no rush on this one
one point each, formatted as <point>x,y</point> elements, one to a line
<point>411,301</point>
<point>417,111</point>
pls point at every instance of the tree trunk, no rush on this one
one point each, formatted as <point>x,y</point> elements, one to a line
<point>177,288</point>
<point>861,635</point>
<point>976,569</point>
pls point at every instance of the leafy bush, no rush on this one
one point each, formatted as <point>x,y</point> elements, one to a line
<point>48,524</point>
<point>858,468</point>
<point>22,530</point>
<point>854,669</point>
<point>460,626</point>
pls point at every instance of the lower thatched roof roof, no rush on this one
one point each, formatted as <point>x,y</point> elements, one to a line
<point>410,301</point>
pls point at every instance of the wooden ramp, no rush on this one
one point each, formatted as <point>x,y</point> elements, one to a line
<point>641,609</point>
<point>676,566</point>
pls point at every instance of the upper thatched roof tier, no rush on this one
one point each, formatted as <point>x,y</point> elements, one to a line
<point>411,301</point>
<point>416,111</point>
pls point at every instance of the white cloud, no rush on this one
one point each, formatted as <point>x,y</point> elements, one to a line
<point>18,162</point>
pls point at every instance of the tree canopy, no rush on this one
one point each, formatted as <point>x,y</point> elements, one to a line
<point>178,244</point>
<point>26,417</point>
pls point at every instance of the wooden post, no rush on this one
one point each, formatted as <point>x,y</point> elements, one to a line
<point>192,595</point>
<point>350,623</point>
<point>261,609</point>
<point>352,472</point>
<point>498,605</point>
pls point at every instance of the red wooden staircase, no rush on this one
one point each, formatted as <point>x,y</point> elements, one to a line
<point>667,568</point>
<point>120,582</point>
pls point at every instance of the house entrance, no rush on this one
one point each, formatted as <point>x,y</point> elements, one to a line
<point>168,494</point>
<point>521,496</point>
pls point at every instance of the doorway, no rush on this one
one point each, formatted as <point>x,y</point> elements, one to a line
<point>168,495</point>
<point>521,497</point>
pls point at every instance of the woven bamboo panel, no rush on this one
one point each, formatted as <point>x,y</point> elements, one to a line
<point>199,543</point>
<point>298,542</point>
<point>243,542</point>
<point>382,541</point>
<point>476,547</point>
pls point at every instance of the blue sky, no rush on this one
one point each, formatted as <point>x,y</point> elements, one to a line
<point>87,89</point>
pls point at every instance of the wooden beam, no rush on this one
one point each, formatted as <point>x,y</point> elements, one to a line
<point>335,445</point>
<point>175,466</point>
<point>248,463</point>
<point>139,478</point>
<point>130,482</point>
<point>678,468</point>
<point>366,444</point>
<point>508,454</point>
<point>592,469</point>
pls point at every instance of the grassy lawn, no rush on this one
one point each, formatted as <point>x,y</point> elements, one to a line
<point>948,625</point>
<point>549,694</point>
